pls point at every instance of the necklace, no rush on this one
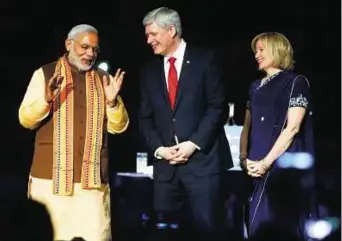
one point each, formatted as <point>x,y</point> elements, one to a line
<point>268,79</point>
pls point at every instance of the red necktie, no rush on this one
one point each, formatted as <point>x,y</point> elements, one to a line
<point>172,82</point>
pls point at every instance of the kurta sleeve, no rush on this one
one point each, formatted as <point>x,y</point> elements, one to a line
<point>117,118</point>
<point>34,108</point>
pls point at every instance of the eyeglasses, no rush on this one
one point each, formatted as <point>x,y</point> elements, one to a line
<point>86,47</point>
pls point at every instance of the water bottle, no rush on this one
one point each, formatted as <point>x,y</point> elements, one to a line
<point>141,162</point>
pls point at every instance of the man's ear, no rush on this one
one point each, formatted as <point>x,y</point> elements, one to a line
<point>173,31</point>
<point>68,44</point>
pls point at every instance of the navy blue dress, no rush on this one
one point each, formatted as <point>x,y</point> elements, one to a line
<point>275,198</point>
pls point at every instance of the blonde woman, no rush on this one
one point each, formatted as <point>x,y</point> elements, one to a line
<point>278,121</point>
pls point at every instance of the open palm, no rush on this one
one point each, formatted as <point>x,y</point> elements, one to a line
<point>113,85</point>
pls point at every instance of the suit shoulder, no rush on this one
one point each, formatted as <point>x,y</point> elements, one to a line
<point>205,56</point>
<point>202,51</point>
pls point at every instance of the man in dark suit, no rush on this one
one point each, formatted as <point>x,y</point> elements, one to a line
<point>182,112</point>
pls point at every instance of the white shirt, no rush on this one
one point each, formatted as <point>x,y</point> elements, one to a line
<point>179,55</point>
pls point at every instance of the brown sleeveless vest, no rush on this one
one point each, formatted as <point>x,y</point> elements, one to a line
<point>43,150</point>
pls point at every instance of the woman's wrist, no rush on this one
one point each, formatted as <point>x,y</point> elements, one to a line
<point>265,164</point>
<point>243,155</point>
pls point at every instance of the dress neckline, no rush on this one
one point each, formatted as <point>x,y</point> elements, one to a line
<point>267,80</point>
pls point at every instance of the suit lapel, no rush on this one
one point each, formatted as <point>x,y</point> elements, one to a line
<point>183,76</point>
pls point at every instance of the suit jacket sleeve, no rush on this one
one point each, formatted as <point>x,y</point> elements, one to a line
<point>216,106</point>
<point>146,125</point>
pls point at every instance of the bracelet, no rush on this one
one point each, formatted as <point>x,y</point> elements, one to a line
<point>111,104</point>
<point>243,155</point>
<point>243,163</point>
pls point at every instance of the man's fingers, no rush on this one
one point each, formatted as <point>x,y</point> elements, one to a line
<point>56,74</point>
<point>176,155</point>
<point>55,84</point>
<point>179,156</point>
<point>178,160</point>
<point>59,80</point>
<point>174,148</point>
<point>54,79</point>
<point>120,79</point>
<point>121,76</point>
<point>117,73</point>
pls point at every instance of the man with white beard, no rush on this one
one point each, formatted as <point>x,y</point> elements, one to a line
<point>72,106</point>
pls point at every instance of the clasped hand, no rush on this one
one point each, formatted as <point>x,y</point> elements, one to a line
<point>177,154</point>
<point>255,168</point>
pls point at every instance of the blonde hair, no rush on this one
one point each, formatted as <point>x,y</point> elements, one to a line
<point>279,47</point>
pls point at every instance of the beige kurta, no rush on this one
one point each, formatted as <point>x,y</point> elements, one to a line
<point>86,209</point>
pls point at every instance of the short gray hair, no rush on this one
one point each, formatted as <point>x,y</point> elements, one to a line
<point>164,18</point>
<point>81,28</point>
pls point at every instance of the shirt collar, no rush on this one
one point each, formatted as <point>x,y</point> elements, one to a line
<point>179,53</point>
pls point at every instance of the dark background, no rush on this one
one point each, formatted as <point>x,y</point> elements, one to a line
<point>33,34</point>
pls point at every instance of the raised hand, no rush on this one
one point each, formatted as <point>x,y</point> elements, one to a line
<point>112,86</point>
<point>53,87</point>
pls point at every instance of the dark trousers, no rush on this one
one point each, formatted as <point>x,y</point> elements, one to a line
<point>200,198</point>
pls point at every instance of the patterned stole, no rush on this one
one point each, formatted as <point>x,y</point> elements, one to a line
<point>63,121</point>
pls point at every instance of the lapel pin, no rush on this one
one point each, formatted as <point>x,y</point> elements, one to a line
<point>188,62</point>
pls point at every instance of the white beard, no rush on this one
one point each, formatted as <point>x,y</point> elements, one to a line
<point>77,63</point>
